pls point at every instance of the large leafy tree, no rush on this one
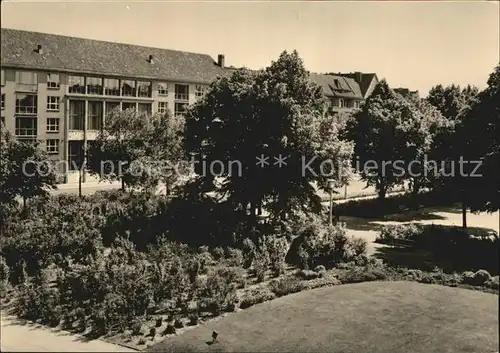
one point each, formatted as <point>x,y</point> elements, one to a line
<point>481,130</point>
<point>25,169</point>
<point>166,145</point>
<point>273,113</point>
<point>423,127</point>
<point>382,130</point>
<point>450,149</point>
<point>139,150</point>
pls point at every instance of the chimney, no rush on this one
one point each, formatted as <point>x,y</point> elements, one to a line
<point>39,49</point>
<point>150,60</point>
<point>220,60</point>
<point>358,76</point>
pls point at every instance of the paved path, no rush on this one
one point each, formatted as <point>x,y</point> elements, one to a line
<point>17,336</point>
<point>481,220</point>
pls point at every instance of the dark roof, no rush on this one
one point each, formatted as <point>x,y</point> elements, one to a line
<point>363,79</point>
<point>337,86</point>
<point>333,85</point>
<point>70,54</point>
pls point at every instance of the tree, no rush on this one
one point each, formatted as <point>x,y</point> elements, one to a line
<point>246,122</point>
<point>167,146</point>
<point>385,131</point>
<point>26,171</point>
<point>481,130</point>
<point>451,151</point>
<point>120,150</point>
<point>423,128</point>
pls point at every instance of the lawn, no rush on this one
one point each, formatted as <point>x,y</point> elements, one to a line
<point>363,318</point>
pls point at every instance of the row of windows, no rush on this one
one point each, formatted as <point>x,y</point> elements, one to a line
<point>27,80</point>
<point>27,104</point>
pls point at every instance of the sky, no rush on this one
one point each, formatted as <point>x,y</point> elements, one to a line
<point>412,44</point>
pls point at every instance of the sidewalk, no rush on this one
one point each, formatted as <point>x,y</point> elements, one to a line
<point>18,336</point>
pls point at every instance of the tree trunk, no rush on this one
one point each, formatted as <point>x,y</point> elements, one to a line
<point>123,185</point>
<point>415,190</point>
<point>80,183</point>
<point>24,202</point>
<point>167,190</point>
<point>464,215</point>
<point>382,190</point>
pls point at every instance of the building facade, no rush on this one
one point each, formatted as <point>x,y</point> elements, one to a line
<point>58,89</point>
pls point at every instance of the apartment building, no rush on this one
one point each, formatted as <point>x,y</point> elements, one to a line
<point>58,89</point>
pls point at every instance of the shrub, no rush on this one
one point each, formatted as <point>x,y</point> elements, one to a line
<point>218,254</point>
<point>307,274</point>
<point>260,267</point>
<point>193,319</point>
<point>478,278</point>
<point>256,296</point>
<point>481,276</point>
<point>170,330</point>
<point>492,283</point>
<point>152,332</point>
<point>319,268</point>
<point>4,271</point>
<point>37,300</point>
<point>234,257</point>
<point>362,274</point>
<point>391,233</point>
<point>327,248</point>
<point>415,275</point>
<point>178,323</point>
<point>277,249</point>
<point>249,251</point>
<point>286,285</point>
<point>219,289</point>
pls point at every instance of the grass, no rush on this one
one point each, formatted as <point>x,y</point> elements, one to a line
<point>367,317</point>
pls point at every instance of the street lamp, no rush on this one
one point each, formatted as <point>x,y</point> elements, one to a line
<point>330,187</point>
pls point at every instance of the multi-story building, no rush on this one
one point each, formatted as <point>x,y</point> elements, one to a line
<point>58,89</point>
<point>366,81</point>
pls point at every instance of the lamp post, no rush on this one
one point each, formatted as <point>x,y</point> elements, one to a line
<point>331,184</point>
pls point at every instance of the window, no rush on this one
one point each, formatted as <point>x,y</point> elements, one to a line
<point>94,85</point>
<point>76,84</point>
<point>180,108</point>
<point>52,146</point>
<point>200,91</point>
<point>95,116</point>
<point>53,103</point>
<point>126,106</point>
<point>162,107</point>
<point>110,106</point>
<point>3,78</point>
<point>75,154</point>
<point>128,88</point>
<point>76,115</point>
<point>144,108</point>
<point>111,87</point>
<point>26,103</point>
<point>53,81</point>
<point>357,104</point>
<point>182,92</point>
<point>3,101</point>
<point>26,126</point>
<point>52,124</point>
<point>144,89</point>
<point>162,89</point>
<point>341,103</point>
<point>26,81</point>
